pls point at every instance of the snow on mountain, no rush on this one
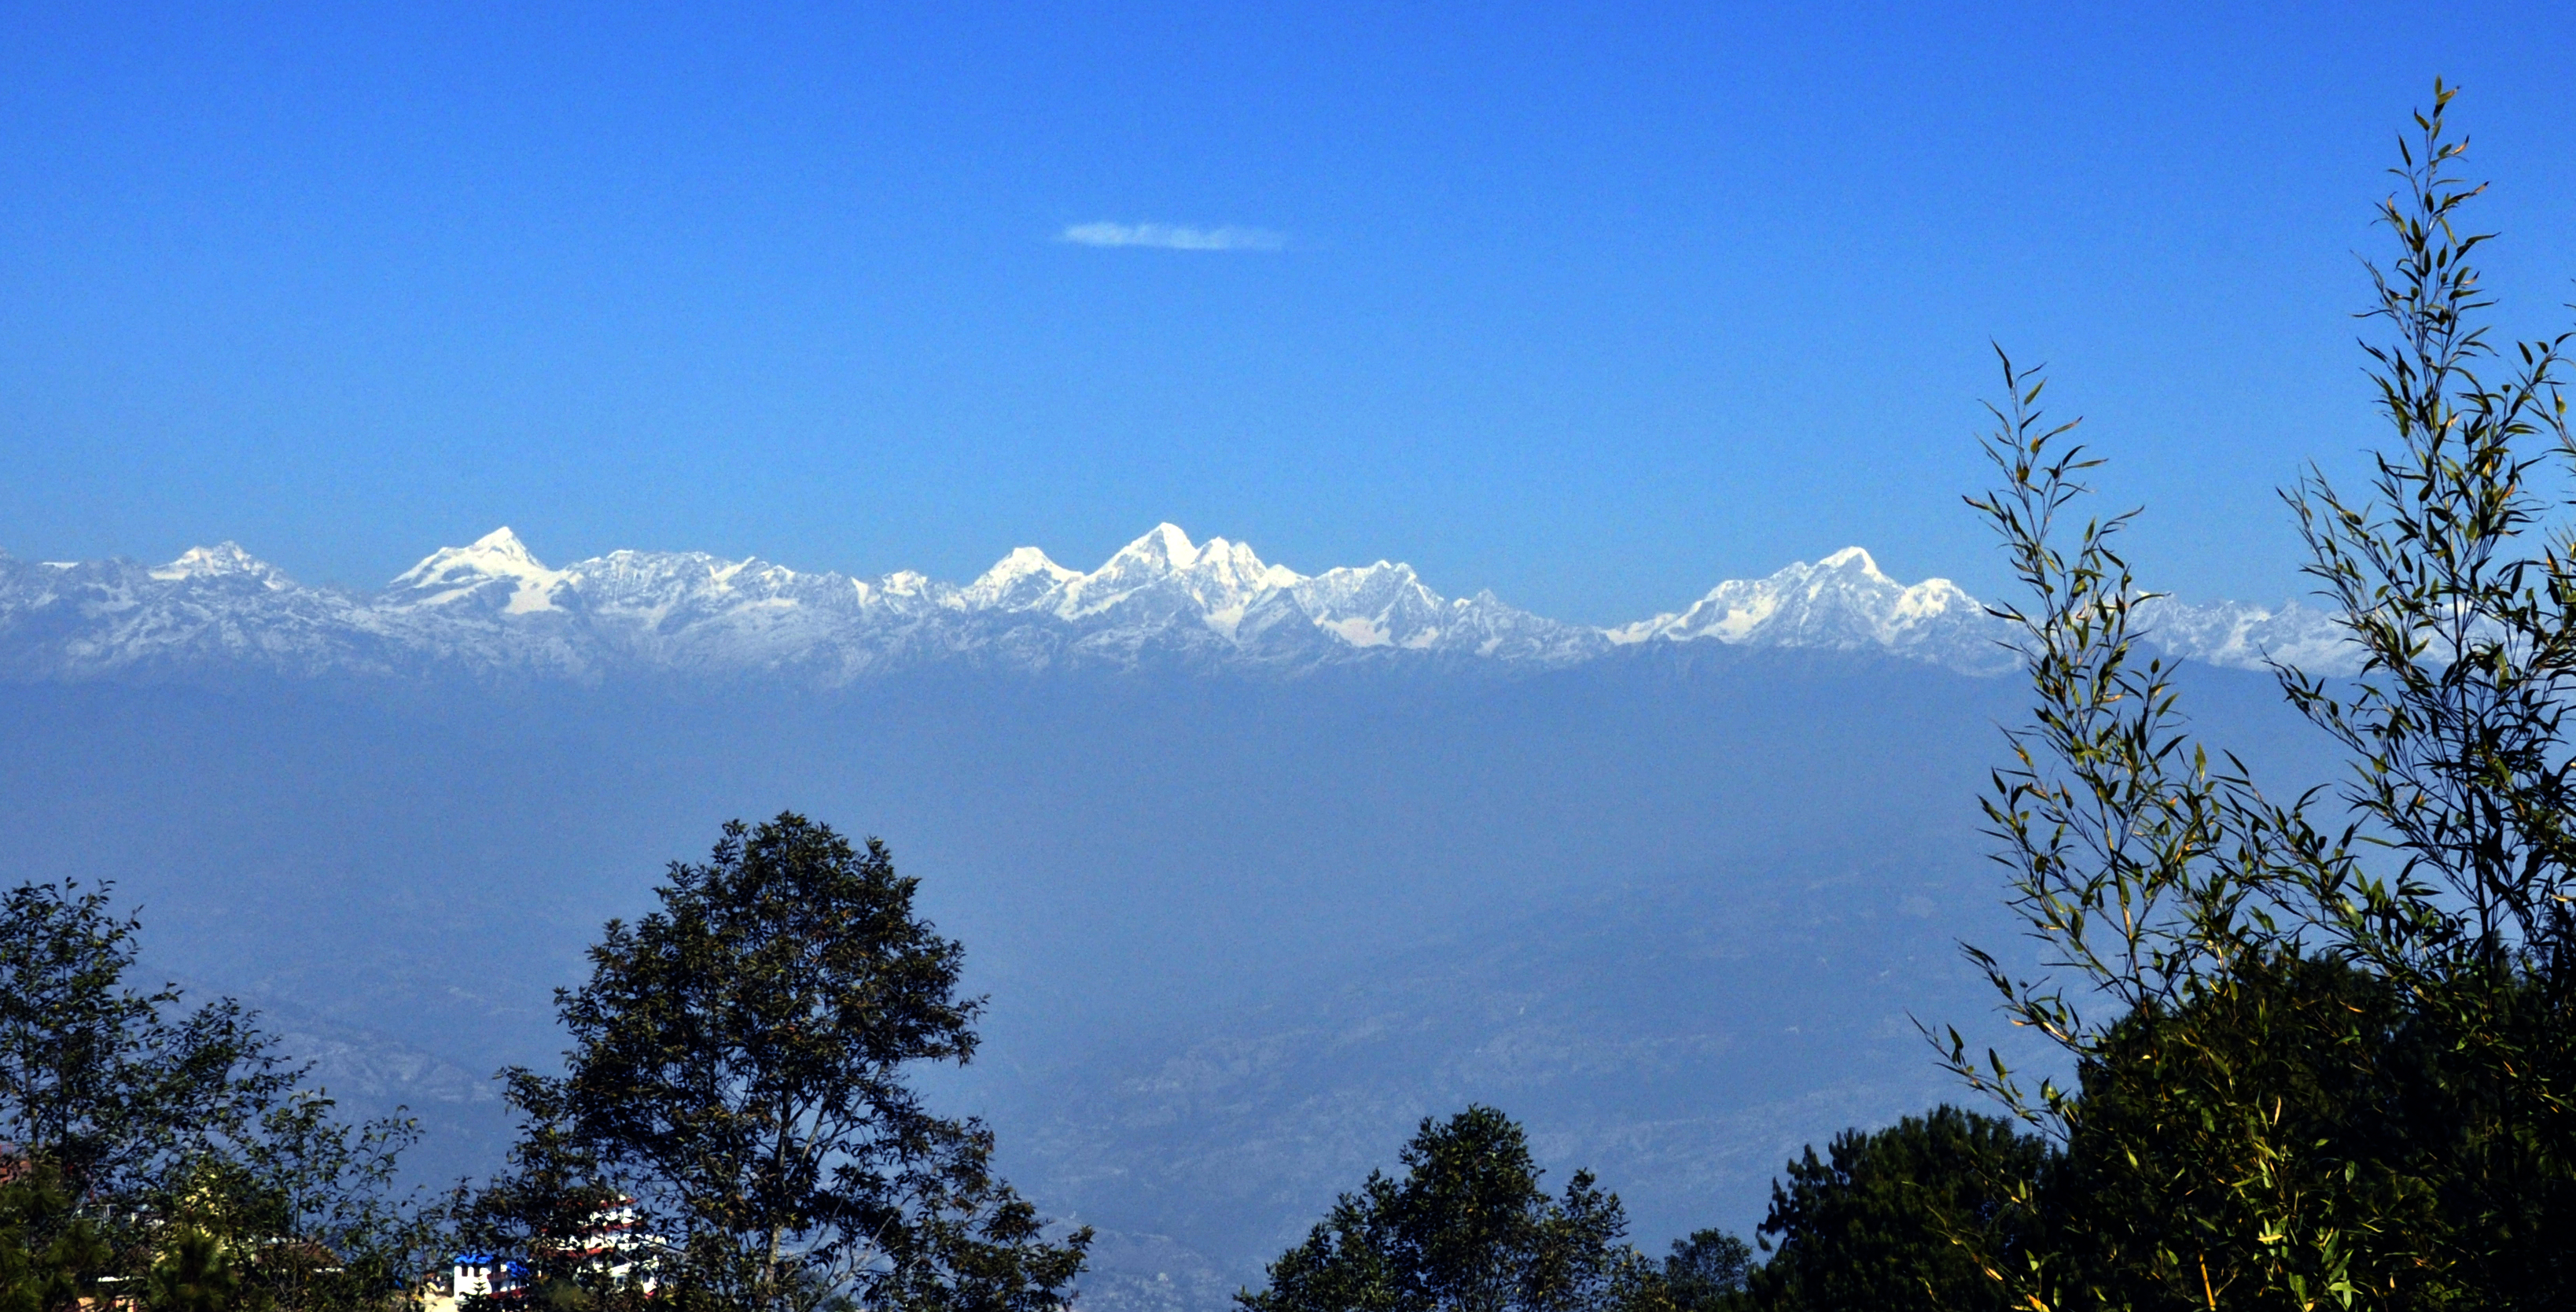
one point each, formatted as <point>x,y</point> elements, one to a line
<point>2250,637</point>
<point>491,607</point>
<point>220,561</point>
<point>497,570</point>
<point>1842,602</point>
<point>1021,580</point>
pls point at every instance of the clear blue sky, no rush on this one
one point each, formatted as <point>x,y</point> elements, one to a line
<point>1591,304</point>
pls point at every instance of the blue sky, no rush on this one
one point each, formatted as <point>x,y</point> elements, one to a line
<point>1593,305</point>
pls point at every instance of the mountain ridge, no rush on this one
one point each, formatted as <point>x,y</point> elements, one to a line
<point>492,608</point>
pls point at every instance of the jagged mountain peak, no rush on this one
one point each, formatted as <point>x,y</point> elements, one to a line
<point>495,565</point>
<point>491,605</point>
<point>1027,562</point>
<point>504,540</point>
<point>497,553</point>
<point>1854,558</point>
<point>1164,573</point>
<point>1165,545</point>
<point>1018,581</point>
<point>1168,550</point>
<point>225,559</point>
<point>1842,601</point>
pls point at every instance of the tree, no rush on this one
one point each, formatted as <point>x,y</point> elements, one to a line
<point>109,1087</point>
<point>2458,584</point>
<point>195,1274</point>
<point>312,1200</point>
<point>50,1257</point>
<point>1707,1271</point>
<point>1467,1229</point>
<point>2325,1053</point>
<point>2299,1076</point>
<point>1877,1223</point>
<point>138,1123</point>
<point>738,1082</point>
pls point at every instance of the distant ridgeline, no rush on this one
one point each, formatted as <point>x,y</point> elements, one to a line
<point>493,609</point>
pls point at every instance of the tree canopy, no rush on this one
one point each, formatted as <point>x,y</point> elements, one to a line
<point>2326,1043</point>
<point>1467,1229</point>
<point>1877,1221</point>
<point>168,1148</point>
<point>1707,1270</point>
<point>739,1082</point>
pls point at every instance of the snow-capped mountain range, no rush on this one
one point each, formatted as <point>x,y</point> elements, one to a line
<point>491,608</point>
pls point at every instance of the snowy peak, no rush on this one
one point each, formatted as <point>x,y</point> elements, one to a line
<point>1166,547</point>
<point>1163,574</point>
<point>224,560</point>
<point>497,552</point>
<point>1856,559</point>
<point>1380,605</point>
<point>1018,581</point>
<point>1842,602</point>
<point>497,569</point>
<point>1162,601</point>
<point>1163,553</point>
<point>2247,637</point>
<point>1167,550</point>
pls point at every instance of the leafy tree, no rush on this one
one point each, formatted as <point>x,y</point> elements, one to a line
<point>108,1086</point>
<point>196,1273</point>
<point>138,1123</point>
<point>1706,1272</point>
<point>313,1202</point>
<point>2325,1054</point>
<point>2458,584</point>
<point>1467,1229</point>
<point>50,1258</point>
<point>2180,1109</point>
<point>738,1081</point>
<point>1878,1222</point>
<point>544,1211</point>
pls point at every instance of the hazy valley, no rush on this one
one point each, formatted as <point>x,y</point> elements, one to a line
<point>1250,896</point>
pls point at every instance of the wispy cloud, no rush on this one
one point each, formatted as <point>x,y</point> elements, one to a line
<point>1175,237</point>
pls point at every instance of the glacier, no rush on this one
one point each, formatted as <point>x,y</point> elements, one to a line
<point>492,609</point>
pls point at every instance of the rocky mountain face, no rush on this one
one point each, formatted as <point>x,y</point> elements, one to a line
<point>492,609</point>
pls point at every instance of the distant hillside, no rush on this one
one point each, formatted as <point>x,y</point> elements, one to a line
<point>1672,904</point>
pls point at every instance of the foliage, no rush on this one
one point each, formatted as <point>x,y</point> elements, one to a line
<point>738,1082</point>
<point>157,1146</point>
<point>2324,1055</point>
<point>309,1205</point>
<point>1467,1229</point>
<point>542,1211</point>
<point>110,1087</point>
<point>50,1257</point>
<point>1875,1223</point>
<point>2291,1096</point>
<point>196,1273</point>
<point>2460,591</point>
<point>1706,1271</point>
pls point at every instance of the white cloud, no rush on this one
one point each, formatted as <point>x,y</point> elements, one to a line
<point>1175,237</point>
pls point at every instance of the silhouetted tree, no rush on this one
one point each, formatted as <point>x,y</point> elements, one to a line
<point>140,1126</point>
<point>1707,1271</point>
<point>1878,1222</point>
<point>1467,1229</point>
<point>109,1087</point>
<point>738,1079</point>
